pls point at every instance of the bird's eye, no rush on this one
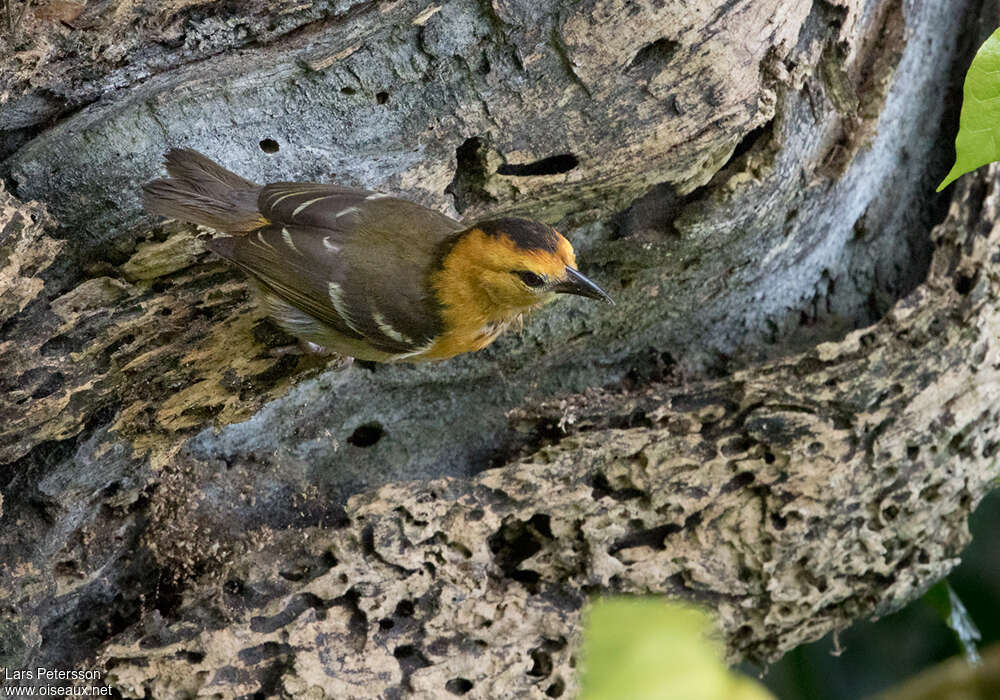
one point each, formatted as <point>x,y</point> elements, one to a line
<point>530,278</point>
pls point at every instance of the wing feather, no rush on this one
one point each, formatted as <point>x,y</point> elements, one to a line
<point>308,204</point>
<point>266,255</point>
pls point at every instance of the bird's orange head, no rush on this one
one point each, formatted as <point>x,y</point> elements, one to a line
<point>501,268</point>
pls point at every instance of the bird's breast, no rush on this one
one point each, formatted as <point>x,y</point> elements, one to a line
<point>465,339</point>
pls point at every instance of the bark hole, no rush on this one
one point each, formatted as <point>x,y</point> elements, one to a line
<point>357,625</point>
<point>410,659</point>
<point>964,284</point>
<point>458,686</point>
<point>468,187</point>
<point>196,657</point>
<point>541,665</point>
<point>553,165</point>
<point>366,435</point>
<point>653,537</point>
<point>653,57</point>
<point>741,480</point>
<point>519,540</point>
<point>602,488</point>
<point>759,135</point>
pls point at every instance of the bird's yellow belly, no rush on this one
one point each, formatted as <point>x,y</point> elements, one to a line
<point>460,340</point>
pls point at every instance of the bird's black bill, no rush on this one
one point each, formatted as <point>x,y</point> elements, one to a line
<point>575,283</point>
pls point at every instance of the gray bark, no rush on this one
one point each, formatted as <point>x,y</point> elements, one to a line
<point>788,416</point>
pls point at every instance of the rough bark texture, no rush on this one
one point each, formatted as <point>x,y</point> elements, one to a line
<point>206,515</point>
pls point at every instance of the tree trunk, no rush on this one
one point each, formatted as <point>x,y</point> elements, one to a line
<point>788,416</point>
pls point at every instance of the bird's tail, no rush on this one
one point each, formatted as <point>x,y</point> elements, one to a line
<point>201,191</point>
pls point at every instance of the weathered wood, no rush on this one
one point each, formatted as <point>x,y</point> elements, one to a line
<point>175,484</point>
<point>791,498</point>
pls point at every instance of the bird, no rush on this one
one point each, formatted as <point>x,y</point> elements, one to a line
<point>366,275</point>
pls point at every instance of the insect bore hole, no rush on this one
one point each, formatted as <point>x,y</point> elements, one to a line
<point>366,435</point>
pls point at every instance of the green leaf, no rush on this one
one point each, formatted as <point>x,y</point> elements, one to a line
<point>978,140</point>
<point>942,597</point>
<point>651,649</point>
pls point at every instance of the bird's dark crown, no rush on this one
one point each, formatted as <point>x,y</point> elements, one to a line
<point>526,234</point>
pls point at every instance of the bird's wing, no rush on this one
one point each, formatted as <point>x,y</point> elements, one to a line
<point>355,261</point>
<point>309,203</point>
